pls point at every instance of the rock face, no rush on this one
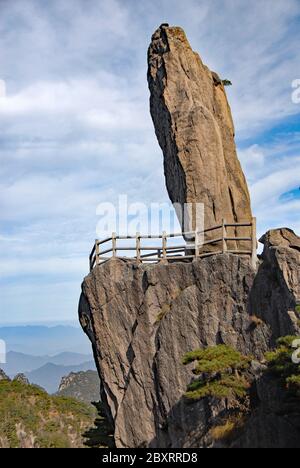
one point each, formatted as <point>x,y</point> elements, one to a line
<point>143,319</point>
<point>275,419</point>
<point>276,290</point>
<point>194,127</point>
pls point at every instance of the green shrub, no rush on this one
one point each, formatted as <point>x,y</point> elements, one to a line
<point>220,370</point>
<point>226,83</point>
<point>281,366</point>
<point>224,387</point>
<point>102,434</point>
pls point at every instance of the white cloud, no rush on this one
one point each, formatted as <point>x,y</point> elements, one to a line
<point>100,103</point>
<point>2,89</point>
<point>254,45</point>
<point>275,184</point>
<point>252,160</point>
<point>273,170</point>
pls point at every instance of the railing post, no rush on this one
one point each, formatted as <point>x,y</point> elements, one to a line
<point>138,246</point>
<point>97,252</point>
<point>254,243</point>
<point>224,235</point>
<point>196,244</point>
<point>164,244</point>
<point>114,244</point>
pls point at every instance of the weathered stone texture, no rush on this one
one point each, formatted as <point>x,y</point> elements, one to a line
<point>194,127</point>
<point>276,290</point>
<point>143,319</point>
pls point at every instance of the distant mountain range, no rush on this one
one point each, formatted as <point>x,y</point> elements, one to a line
<point>50,375</point>
<point>41,340</point>
<point>20,362</point>
<point>46,354</point>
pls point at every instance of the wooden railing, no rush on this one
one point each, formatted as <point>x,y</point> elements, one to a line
<point>132,246</point>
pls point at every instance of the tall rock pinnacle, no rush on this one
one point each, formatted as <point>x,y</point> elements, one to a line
<point>194,127</point>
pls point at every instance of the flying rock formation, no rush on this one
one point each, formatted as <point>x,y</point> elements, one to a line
<point>141,319</point>
<point>195,130</point>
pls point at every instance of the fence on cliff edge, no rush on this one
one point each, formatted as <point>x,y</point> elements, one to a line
<point>174,247</point>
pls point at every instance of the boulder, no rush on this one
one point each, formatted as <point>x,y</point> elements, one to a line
<point>195,130</point>
<point>276,290</point>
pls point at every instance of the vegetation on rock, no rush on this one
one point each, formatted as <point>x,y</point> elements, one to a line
<point>229,429</point>
<point>226,83</point>
<point>221,372</point>
<point>281,365</point>
<point>102,435</point>
<point>30,418</point>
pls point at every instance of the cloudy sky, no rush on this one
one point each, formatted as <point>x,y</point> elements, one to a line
<point>75,128</point>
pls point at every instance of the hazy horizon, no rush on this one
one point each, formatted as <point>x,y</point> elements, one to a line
<point>47,324</point>
<point>40,340</point>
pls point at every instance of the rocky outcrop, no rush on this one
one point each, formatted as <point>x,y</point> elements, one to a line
<point>194,127</point>
<point>276,290</point>
<point>22,379</point>
<point>3,376</point>
<point>274,420</point>
<point>83,386</point>
<point>143,319</point>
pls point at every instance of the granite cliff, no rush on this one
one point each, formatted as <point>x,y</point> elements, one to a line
<point>143,319</point>
<point>195,130</point>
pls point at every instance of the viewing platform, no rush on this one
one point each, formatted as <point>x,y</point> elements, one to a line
<point>218,239</point>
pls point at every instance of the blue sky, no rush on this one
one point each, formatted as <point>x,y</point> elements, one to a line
<point>75,128</point>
